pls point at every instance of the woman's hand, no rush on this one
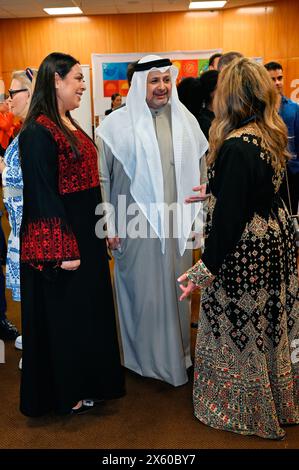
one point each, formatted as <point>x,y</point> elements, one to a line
<point>202,196</point>
<point>2,165</point>
<point>70,265</point>
<point>187,290</point>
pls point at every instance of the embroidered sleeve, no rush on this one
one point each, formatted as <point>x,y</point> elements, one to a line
<point>200,275</point>
<point>48,240</point>
<point>203,170</point>
<point>46,233</point>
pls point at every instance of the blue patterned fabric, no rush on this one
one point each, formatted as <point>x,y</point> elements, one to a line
<point>12,178</point>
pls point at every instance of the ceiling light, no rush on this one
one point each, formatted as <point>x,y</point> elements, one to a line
<point>252,11</point>
<point>64,11</point>
<point>206,5</point>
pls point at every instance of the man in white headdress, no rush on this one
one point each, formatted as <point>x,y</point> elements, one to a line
<point>151,151</point>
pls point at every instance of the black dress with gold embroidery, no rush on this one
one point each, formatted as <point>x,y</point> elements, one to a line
<point>245,379</point>
<point>70,348</point>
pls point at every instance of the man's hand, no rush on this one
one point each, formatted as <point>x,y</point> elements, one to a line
<point>202,196</point>
<point>187,290</point>
<point>113,243</point>
<point>70,265</point>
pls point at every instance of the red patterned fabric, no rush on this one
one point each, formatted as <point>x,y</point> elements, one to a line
<point>48,240</point>
<point>75,174</point>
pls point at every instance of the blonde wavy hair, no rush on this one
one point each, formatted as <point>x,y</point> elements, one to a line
<point>25,81</point>
<point>246,91</point>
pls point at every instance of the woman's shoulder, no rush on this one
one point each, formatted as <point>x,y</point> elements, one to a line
<point>34,129</point>
<point>245,135</point>
<point>35,137</point>
<point>242,147</point>
<point>246,140</point>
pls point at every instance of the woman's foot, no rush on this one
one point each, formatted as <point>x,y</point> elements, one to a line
<point>83,406</point>
<point>78,406</point>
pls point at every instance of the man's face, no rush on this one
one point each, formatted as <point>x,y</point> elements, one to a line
<point>277,77</point>
<point>158,89</point>
<point>214,65</point>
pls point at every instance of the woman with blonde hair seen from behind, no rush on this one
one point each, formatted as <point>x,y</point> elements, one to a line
<point>244,376</point>
<point>20,93</point>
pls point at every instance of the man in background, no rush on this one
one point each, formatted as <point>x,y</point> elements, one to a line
<point>289,112</point>
<point>227,58</point>
<point>213,61</point>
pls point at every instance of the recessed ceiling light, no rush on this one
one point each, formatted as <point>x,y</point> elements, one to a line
<point>64,11</point>
<point>206,5</point>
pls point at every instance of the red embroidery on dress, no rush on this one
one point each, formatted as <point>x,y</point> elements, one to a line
<point>75,173</point>
<point>48,240</point>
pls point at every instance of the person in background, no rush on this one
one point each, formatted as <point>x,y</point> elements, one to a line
<point>289,112</point>
<point>187,94</point>
<point>130,71</point>
<point>6,124</point>
<point>8,331</point>
<point>197,95</point>
<point>116,101</point>
<point>227,58</point>
<point>213,61</point>
<point>20,93</point>
<point>142,161</point>
<point>207,88</point>
<point>245,380</point>
<point>66,293</point>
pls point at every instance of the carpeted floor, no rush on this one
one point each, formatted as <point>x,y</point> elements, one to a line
<point>153,415</point>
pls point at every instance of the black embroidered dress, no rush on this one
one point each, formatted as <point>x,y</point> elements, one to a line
<point>246,372</point>
<point>70,348</point>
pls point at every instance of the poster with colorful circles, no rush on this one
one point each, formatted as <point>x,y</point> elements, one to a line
<point>115,78</point>
<point>109,72</point>
<point>115,74</point>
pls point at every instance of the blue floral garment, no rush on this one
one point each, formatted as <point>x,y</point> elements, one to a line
<point>13,199</point>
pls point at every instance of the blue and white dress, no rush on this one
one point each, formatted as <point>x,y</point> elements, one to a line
<point>13,199</point>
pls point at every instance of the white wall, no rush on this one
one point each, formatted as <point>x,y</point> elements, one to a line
<point>83,113</point>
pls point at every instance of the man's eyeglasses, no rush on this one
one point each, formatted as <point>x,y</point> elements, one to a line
<point>12,93</point>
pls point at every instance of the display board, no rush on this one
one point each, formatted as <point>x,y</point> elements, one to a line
<point>110,72</point>
<point>83,113</point>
